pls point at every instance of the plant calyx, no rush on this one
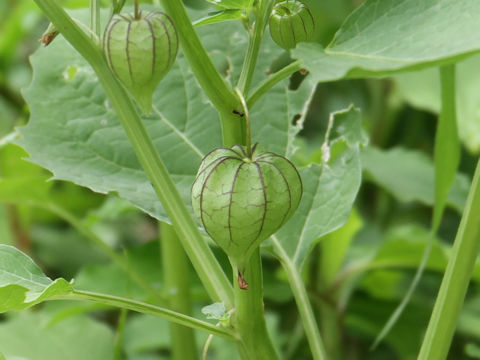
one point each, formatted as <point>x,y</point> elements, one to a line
<point>140,49</point>
<point>241,200</point>
<point>291,22</point>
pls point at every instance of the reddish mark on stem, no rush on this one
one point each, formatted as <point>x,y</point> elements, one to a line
<point>242,283</point>
<point>48,38</point>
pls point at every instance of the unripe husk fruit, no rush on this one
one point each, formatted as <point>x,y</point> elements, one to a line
<point>242,200</point>
<point>140,51</point>
<point>291,22</point>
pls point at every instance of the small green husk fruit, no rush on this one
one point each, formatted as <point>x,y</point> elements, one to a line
<point>242,200</point>
<point>140,51</point>
<point>291,22</point>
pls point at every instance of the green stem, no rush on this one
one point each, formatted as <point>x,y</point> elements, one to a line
<point>255,40</point>
<point>233,130</point>
<point>145,308</point>
<point>249,317</point>
<point>273,80</point>
<point>203,260</point>
<point>177,289</point>
<point>447,144</point>
<point>95,17</point>
<point>202,66</point>
<point>454,285</point>
<point>118,346</point>
<point>331,330</point>
<point>102,245</point>
<point>303,303</point>
<point>246,115</point>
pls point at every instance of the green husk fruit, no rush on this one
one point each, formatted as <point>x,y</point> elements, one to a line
<point>242,200</point>
<point>140,51</point>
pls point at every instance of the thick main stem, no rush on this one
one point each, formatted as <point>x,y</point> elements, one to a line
<point>177,290</point>
<point>249,317</point>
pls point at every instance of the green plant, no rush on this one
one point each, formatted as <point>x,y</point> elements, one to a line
<point>232,85</point>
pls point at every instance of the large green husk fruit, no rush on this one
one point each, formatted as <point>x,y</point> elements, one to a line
<point>141,52</point>
<point>241,201</point>
<point>291,22</point>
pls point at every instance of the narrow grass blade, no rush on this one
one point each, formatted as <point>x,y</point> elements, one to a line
<point>447,158</point>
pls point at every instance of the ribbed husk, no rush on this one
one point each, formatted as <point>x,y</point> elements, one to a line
<point>140,52</point>
<point>291,22</point>
<point>241,201</point>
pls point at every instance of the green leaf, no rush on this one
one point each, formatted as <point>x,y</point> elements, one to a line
<point>231,4</point>
<point>385,36</point>
<point>414,180</point>
<point>329,189</point>
<point>420,89</point>
<point>21,181</point>
<point>28,336</point>
<point>215,311</point>
<point>219,16</point>
<point>86,142</point>
<point>23,284</point>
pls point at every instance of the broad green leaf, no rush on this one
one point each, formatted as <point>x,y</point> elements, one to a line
<point>414,180</point>
<point>219,16</point>
<point>87,145</point>
<point>329,189</point>
<point>21,181</point>
<point>28,336</point>
<point>22,283</point>
<point>421,90</point>
<point>385,36</point>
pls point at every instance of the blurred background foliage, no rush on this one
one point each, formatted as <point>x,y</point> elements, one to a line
<point>385,236</point>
